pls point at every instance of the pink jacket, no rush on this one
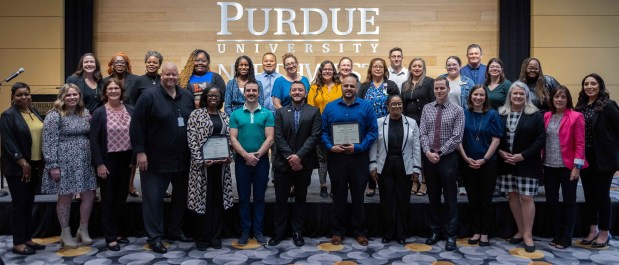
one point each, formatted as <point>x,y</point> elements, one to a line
<point>571,137</point>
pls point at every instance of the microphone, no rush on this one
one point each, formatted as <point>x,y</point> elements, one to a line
<point>21,70</point>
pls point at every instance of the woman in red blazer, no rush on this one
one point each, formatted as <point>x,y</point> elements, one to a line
<point>564,156</point>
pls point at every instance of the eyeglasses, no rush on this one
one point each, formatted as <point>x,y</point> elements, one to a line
<point>377,67</point>
<point>396,104</point>
<point>396,56</point>
<point>119,62</point>
<point>327,70</point>
<point>212,96</point>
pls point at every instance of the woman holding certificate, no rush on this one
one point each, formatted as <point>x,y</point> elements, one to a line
<point>210,180</point>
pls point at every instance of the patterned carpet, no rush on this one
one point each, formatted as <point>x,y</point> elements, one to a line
<point>316,251</point>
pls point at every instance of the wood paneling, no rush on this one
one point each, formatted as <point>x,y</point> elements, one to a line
<point>433,29</point>
<point>574,38</point>
<point>32,32</point>
<point>32,8</point>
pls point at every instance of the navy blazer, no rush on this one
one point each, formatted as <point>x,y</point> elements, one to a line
<point>16,140</point>
<point>98,135</point>
<point>529,141</point>
<point>302,143</point>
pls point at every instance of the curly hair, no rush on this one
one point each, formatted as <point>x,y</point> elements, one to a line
<point>80,67</point>
<point>187,71</point>
<point>602,99</point>
<point>59,104</point>
<point>110,65</point>
<point>319,81</point>
<point>540,84</point>
<point>251,74</point>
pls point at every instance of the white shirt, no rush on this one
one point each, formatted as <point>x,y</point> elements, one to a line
<point>398,77</point>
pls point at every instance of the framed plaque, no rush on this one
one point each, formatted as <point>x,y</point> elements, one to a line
<point>345,133</point>
<point>216,148</point>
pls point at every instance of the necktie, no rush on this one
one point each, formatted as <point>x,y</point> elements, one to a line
<point>297,116</point>
<point>267,92</point>
<point>436,143</point>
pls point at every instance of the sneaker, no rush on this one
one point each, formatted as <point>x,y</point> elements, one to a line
<point>243,239</point>
<point>260,238</point>
<point>462,191</point>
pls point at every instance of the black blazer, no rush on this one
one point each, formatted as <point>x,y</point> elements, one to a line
<point>92,99</point>
<point>16,140</point>
<point>130,83</point>
<point>303,143</point>
<point>529,141</point>
<point>606,137</point>
<point>392,88</point>
<point>98,135</point>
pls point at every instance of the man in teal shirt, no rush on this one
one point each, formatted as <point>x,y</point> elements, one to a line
<point>251,136</point>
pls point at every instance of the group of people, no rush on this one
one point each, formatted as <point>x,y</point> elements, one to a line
<point>398,130</point>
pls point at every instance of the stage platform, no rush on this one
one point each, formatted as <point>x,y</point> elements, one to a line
<point>318,215</point>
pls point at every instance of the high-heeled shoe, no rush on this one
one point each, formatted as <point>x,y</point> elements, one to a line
<point>588,242</point>
<point>66,240</point>
<point>600,245</point>
<point>415,187</point>
<point>82,235</point>
<point>115,247</point>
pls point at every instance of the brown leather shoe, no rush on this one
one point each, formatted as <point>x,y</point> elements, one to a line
<point>336,240</point>
<point>362,240</point>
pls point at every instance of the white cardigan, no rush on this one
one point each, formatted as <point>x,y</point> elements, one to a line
<point>411,151</point>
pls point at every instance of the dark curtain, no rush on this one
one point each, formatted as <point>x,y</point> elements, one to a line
<point>515,35</point>
<point>78,32</point>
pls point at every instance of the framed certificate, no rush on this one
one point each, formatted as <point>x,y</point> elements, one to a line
<point>345,133</point>
<point>216,148</point>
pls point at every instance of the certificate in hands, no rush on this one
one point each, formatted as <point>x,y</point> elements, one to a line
<point>345,133</point>
<point>216,148</point>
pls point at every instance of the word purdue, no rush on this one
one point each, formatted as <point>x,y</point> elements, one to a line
<point>286,17</point>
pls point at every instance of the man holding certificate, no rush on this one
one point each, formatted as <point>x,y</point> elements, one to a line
<point>251,136</point>
<point>297,131</point>
<point>442,127</point>
<point>348,131</point>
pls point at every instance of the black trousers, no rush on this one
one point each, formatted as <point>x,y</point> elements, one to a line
<point>22,200</point>
<point>562,220</point>
<point>283,181</point>
<point>154,186</point>
<point>348,171</point>
<point>114,190</point>
<point>596,185</point>
<point>210,224</point>
<point>442,178</point>
<point>395,192</point>
<point>480,184</point>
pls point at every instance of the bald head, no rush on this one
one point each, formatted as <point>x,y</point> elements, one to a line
<point>169,75</point>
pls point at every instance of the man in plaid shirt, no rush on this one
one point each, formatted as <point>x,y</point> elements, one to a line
<point>442,126</point>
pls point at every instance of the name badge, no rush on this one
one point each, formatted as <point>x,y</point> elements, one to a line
<point>180,121</point>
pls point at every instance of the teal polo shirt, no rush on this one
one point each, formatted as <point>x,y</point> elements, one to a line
<point>251,126</point>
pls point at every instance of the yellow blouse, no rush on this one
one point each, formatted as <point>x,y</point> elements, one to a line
<point>36,132</point>
<point>325,96</point>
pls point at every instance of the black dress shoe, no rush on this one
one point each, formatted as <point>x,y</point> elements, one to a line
<point>588,242</point>
<point>36,246</point>
<point>529,249</point>
<point>216,243</point>
<point>432,239</point>
<point>201,245</point>
<point>26,251</point>
<point>274,241</point>
<point>450,245</point>
<point>158,247</point>
<point>401,241</point>
<point>484,243</point>
<point>115,247</point>
<point>122,240</point>
<point>473,241</point>
<point>297,239</point>
<point>515,240</point>
<point>182,238</point>
<point>385,240</point>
